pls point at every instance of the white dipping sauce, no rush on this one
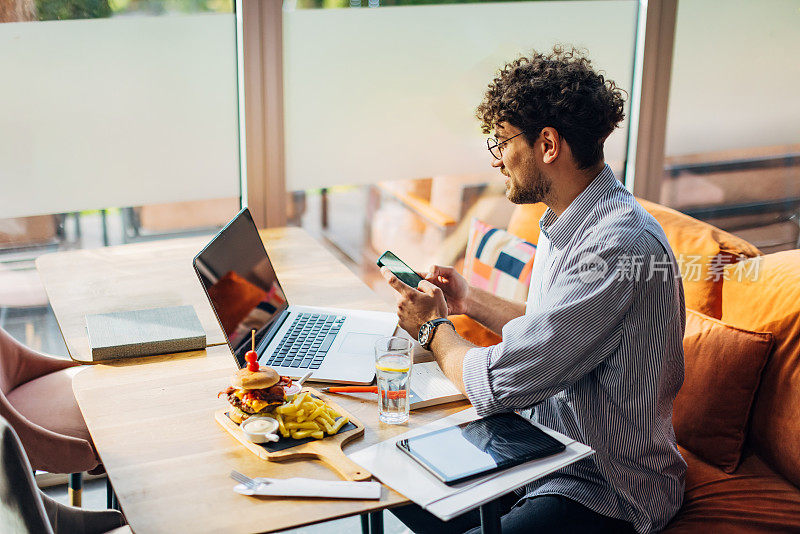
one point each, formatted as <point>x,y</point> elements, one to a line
<point>260,426</point>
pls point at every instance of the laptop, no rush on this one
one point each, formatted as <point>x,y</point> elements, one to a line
<point>246,295</point>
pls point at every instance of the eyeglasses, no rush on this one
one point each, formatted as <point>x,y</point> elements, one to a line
<point>496,148</point>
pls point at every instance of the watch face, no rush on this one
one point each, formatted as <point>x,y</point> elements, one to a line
<point>424,334</point>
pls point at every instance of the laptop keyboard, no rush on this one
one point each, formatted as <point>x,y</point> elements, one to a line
<point>307,341</point>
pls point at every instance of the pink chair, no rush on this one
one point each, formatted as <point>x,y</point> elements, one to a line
<point>36,399</point>
<point>24,508</point>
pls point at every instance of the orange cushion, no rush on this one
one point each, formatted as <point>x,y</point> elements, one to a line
<point>767,298</point>
<point>701,250</point>
<point>524,221</point>
<point>474,332</point>
<point>723,371</point>
<point>754,499</point>
<point>235,298</point>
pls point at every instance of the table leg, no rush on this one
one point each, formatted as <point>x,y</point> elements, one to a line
<point>364,523</point>
<point>75,489</point>
<point>104,219</point>
<point>376,522</point>
<point>111,497</point>
<point>490,518</point>
<point>109,494</point>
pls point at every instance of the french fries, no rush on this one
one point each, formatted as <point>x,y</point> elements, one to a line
<point>307,417</point>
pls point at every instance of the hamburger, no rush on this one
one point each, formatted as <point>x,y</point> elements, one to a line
<point>255,392</point>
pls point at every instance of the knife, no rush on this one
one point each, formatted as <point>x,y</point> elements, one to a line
<point>309,487</point>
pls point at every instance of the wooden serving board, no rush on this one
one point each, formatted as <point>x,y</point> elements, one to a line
<point>328,450</point>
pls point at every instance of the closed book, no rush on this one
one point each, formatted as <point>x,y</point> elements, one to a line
<point>144,332</point>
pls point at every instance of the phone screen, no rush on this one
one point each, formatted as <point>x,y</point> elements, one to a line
<point>402,271</point>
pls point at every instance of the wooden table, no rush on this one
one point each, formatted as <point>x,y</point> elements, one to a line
<point>152,419</point>
<point>160,273</point>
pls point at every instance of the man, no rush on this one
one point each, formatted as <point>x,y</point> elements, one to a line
<point>596,353</point>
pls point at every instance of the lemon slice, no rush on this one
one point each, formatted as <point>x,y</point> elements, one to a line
<point>392,368</point>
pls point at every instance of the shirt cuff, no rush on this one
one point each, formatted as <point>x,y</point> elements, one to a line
<point>476,381</point>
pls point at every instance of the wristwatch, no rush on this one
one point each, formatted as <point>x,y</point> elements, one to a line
<point>427,330</point>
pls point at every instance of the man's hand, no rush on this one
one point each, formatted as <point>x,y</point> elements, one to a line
<point>416,306</point>
<point>455,288</point>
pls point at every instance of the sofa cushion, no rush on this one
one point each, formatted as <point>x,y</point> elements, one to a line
<point>767,298</point>
<point>524,221</point>
<point>498,262</point>
<point>474,332</point>
<point>701,250</point>
<point>753,499</point>
<point>723,371</point>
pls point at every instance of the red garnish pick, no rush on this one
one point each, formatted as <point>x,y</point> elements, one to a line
<point>253,367</point>
<point>251,356</point>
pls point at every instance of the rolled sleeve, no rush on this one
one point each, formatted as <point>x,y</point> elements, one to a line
<point>477,382</point>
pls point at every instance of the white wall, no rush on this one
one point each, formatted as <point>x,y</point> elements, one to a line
<point>117,112</point>
<point>390,93</point>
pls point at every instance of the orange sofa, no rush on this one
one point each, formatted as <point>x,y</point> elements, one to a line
<point>737,417</point>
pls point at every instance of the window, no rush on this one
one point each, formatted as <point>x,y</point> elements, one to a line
<point>379,113</point>
<point>120,123</point>
<point>732,151</point>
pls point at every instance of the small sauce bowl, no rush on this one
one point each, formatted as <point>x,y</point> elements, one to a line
<point>292,391</point>
<point>260,429</point>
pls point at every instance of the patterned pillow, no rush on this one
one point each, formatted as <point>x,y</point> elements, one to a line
<point>498,261</point>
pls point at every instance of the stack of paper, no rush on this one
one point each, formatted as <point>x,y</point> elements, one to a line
<point>398,471</point>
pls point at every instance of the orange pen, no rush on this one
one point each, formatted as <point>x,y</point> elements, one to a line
<point>362,389</point>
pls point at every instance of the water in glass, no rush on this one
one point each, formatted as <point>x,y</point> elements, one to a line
<point>393,367</point>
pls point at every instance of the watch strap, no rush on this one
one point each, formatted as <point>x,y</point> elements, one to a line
<point>435,323</point>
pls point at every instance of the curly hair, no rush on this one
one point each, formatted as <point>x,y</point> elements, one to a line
<point>561,90</point>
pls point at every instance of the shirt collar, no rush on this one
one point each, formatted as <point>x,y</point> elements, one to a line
<point>559,229</point>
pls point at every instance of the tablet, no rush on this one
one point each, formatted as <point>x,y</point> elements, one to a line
<point>458,453</point>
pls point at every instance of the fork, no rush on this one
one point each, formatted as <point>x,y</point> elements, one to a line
<point>246,480</point>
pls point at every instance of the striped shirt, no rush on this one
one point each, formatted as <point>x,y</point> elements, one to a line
<point>598,356</point>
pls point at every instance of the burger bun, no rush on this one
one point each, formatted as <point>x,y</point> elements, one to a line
<point>265,377</point>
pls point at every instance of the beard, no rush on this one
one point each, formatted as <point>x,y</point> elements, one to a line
<point>537,192</point>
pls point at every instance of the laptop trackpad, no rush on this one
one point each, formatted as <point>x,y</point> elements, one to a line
<point>356,343</point>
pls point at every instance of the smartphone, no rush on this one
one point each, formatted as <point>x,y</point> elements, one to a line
<point>398,267</point>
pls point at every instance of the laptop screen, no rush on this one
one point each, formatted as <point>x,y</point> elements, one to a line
<point>241,283</point>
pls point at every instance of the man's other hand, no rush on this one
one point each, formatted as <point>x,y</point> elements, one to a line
<point>453,285</point>
<point>416,306</point>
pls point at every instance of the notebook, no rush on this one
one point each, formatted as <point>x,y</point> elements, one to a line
<point>144,332</point>
<point>429,386</point>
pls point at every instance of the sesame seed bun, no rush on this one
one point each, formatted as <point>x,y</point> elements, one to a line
<point>263,378</point>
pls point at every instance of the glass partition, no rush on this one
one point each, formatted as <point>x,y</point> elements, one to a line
<point>390,93</point>
<point>136,107</point>
<point>119,123</point>
<point>733,128</point>
<point>383,150</point>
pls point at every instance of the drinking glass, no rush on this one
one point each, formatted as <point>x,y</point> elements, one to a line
<point>393,368</point>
